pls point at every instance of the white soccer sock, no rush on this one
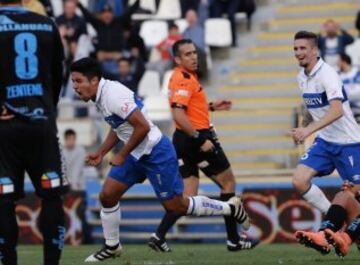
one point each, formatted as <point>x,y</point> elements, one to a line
<point>110,219</point>
<point>317,198</point>
<point>201,205</point>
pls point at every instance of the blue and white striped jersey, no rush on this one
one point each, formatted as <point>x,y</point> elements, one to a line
<point>321,86</point>
<point>116,103</point>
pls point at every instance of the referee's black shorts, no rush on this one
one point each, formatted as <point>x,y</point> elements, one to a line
<point>191,159</point>
<point>32,147</point>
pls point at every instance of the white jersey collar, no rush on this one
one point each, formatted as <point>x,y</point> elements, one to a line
<point>316,68</point>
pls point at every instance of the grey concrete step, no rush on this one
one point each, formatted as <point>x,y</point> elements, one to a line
<point>316,9</point>
<point>314,27</point>
<point>256,145</point>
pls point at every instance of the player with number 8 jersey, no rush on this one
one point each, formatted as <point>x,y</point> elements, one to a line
<point>31,56</point>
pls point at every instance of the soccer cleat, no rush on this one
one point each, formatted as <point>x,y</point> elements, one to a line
<point>106,252</point>
<point>340,240</point>
<point>357,242</point>
<point>244,243</point>
<point>158,244</point>
<point>315,240</point>
<point>239,213</point>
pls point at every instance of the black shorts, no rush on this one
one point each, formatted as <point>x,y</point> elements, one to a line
<point>32,147</point>
<point>191,159</point>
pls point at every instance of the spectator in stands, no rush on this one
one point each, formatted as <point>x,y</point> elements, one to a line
<point>248,7</point>
<point>332,42</point>
<point>70,23</point>
<point>127,77</point>
<point>164,47</point>
<point>48,7</point>
<point>98,5</point>
<point>186,5</point>
<point>133,40</point>
<point>110,39</point>
<point>350,77</point>
<point>357,23</point>
<point>74,156</point>
<point>195,32</point>
<point>71,26</point>
<point>230,7</point>
<point>35,6</point>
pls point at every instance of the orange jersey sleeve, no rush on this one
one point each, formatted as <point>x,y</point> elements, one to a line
<point>181,89</point>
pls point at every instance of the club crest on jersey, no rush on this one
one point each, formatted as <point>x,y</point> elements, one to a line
<point>6,185</point>
<point>50,180</point>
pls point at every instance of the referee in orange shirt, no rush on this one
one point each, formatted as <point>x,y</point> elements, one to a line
<point>196,143</point>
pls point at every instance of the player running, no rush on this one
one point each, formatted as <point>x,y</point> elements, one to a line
<point>337,142</point>
<point>146,154</point>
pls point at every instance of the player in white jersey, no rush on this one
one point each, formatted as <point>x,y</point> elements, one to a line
<point>337,143</point>
<point>146,154</point>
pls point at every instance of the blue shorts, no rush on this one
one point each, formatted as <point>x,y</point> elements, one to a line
<point>324,157</point>
<point>160,167</point>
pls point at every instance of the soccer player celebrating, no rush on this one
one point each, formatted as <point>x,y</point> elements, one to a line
<point>146,154</point>
<point>337,140</point>
<point>31,56</point>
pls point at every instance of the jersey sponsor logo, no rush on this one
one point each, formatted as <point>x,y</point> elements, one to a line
<point>6,185</point>
<point>24,90</point>
<point>50,180</point>
<point>182,92</point>
<point>315,100</point>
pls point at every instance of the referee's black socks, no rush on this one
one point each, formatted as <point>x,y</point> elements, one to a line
<point>230,222</point>
<point>52,226</point>
<point>9,231</point>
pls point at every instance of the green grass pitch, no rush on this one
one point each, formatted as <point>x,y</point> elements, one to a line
<point>210,254</point>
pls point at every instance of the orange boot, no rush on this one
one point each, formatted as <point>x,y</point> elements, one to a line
<point>315,240</point>
<point>340,240</point>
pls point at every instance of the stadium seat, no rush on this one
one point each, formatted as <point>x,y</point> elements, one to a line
<point>157,107</point>
<point>153,32</point>
<point>218,32</point>
<point>146,4</point>
<point>169,9</point>
<point>165,83</point>
<point>149,5</point>
<point>353,51</point>
<point>182,24</point>
<point>149,84</point>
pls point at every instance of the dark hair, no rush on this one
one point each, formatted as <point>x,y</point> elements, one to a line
<point>308,36</point>
<point>124,59</point>
<point>345,58</point>
<point>172,25</point>
<point>69,132</point>
<point>89,67</point>
<point>176,46</point>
